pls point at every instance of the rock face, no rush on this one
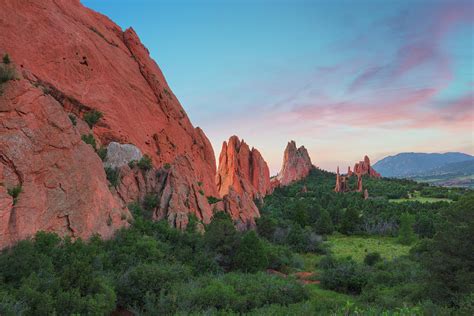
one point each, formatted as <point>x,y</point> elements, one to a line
<point>242,169</point>
<point>72,61</point>
<point>61,179</point>
<point>242,177</point>
<point>296,164</point>
<point>364,168</point>
<point>119,155</point>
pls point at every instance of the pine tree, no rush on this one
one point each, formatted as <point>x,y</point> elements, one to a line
<point>350,221</point>
<point>324,224</point>
<point>406,235</point>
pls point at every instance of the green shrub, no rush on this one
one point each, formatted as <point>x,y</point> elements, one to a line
<point>201,192</point>
<point>92,117</point>
<point>7,73</point>
<point>167,166</point>
<point>90,140</point>
<point>344,276</point>
<point>406,234</point>
<point>6,59</point>
<point>14,193</point>
<point>150,202</point>
<point>113,176</point>
<point>146,278</point>
<point>372,258</point>
<point>73,119</point>
<point>251,255</point>
<point>145,163</point>
<point>102,152</point>
<point>213,200</point>
<point>324,224</point>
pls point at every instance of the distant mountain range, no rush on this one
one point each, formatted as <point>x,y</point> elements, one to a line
<point>448,169</point>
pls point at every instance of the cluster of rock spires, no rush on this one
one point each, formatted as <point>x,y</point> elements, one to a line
<point>71,62</point>
<point>361,168</point>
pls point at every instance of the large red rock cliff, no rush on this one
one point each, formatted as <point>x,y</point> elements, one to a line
<point>71,61</point>
<point>296,165</point>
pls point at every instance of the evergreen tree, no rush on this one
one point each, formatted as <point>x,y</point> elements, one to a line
<point>251,254</point>
<point>350,221</point>
<point>324,224</point>
<point>406,235</point>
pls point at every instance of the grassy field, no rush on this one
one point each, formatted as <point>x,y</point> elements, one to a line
<point>416,197</point>
<point>357,247</point>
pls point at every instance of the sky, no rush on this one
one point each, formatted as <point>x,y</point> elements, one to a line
<point>343,78</point>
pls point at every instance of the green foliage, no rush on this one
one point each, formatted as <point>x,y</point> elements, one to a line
<point>145,163</point>
<point>102,152</point>
<point>167,166</point>
<point>222,238</point>
<point>150,201</point>
<point>90,140</point>
<point>266,226</point>
<point>14,192</point>
<point>350,221</point>
<point>92,117</point>
<point>7,73</point>
<point>73,119</point>
<point>324,224</point>
<point>201,192</point>
<point>343,275</point>
<point>113,176</point>
<point>146,278</point>
<point>213,200</point>
<point>251,255</point>
<point>372,258</point>
<point>449,256</point>
<point>6,59</point>
<point>406,235</point>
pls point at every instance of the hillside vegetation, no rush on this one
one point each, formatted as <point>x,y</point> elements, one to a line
<point>313,252</point>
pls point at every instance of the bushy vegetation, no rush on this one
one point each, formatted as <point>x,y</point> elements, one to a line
<point>90,140</point>
<point>14,192</point>
<point>149,268</point>
<point>145,163</point>
<point>7,71</point>
<point>93,117</point>
<point>113,176</point>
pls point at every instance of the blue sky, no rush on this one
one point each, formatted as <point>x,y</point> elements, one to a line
<point>344,78</point>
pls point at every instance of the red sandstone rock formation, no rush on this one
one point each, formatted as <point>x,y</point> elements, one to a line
<point>364,168</point>
<point>243,169</point>
<point>349,171</point>
<point>71,60</point>
<point>242,176</point>
<point>359,183</point>
<point>62,180</point>
<point>341,183</point>
<point>296,164</point>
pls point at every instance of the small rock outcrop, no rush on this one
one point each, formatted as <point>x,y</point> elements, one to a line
<point>296,164</point>
<point>364,168</point>
<point>119,155</point>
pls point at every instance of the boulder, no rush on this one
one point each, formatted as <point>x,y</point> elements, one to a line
<point>119,155</point>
